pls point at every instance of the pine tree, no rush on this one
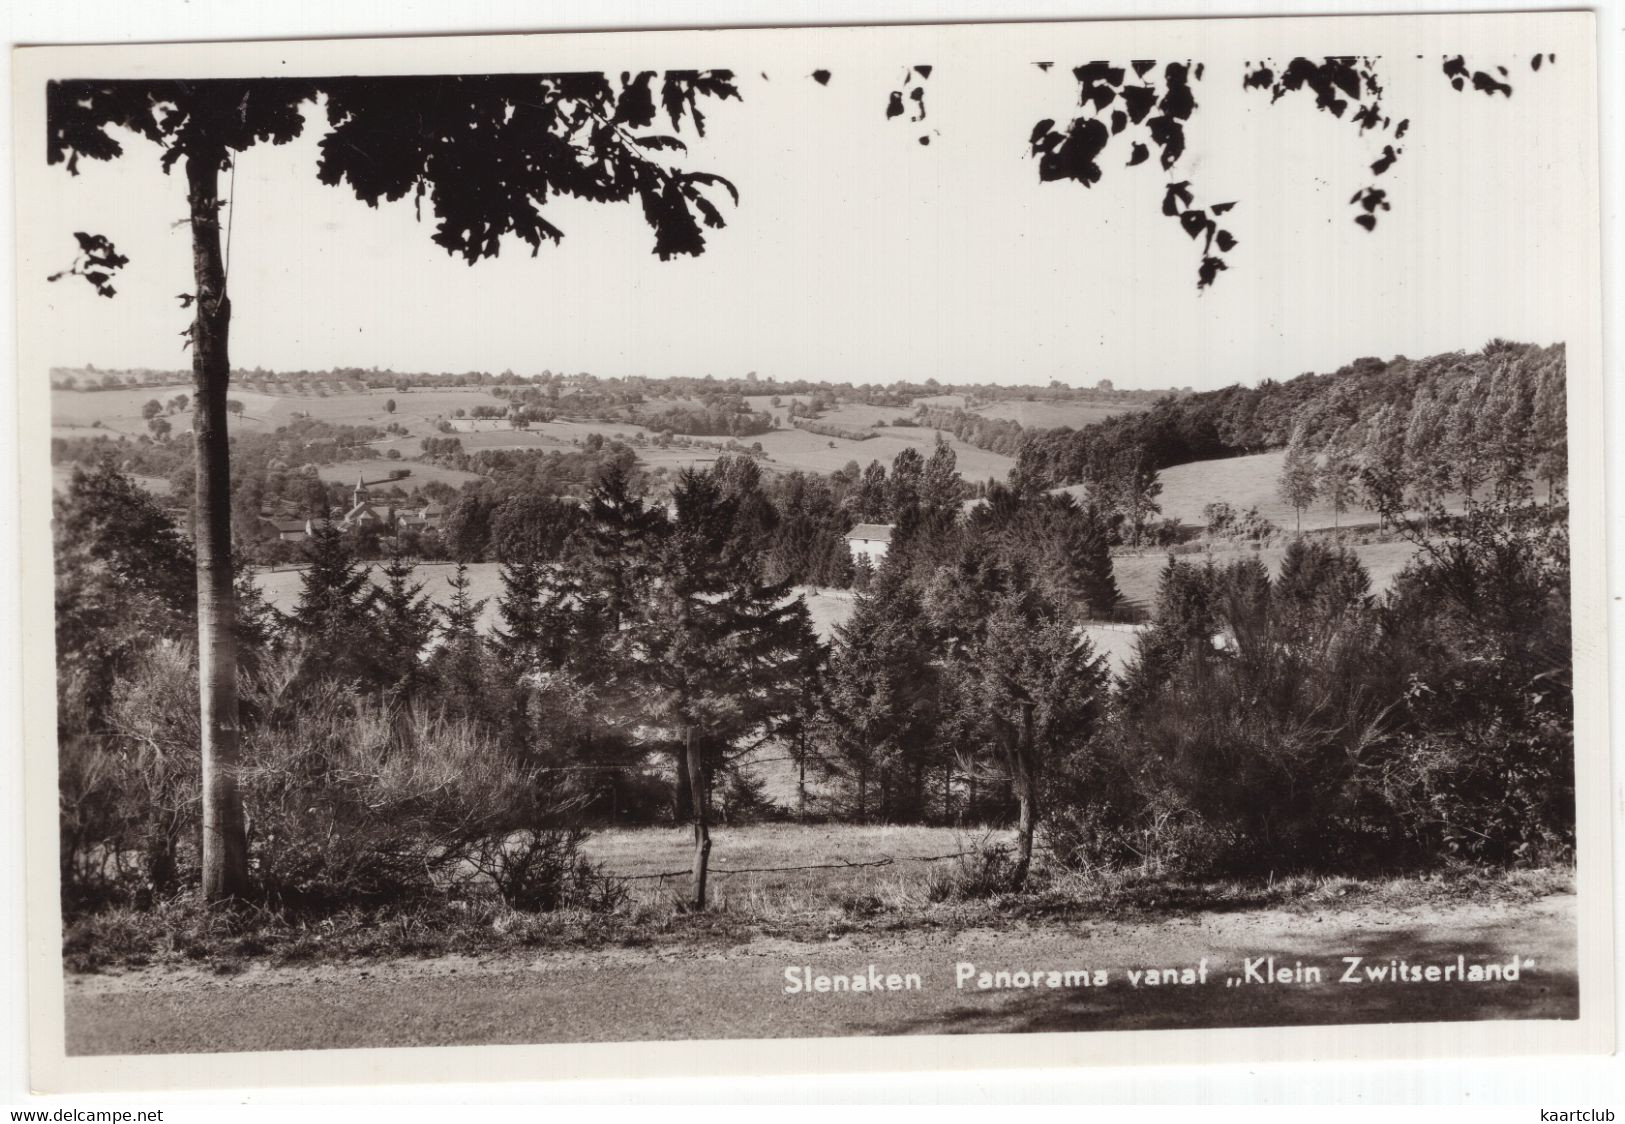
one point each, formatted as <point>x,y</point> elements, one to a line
<point>1080,558</point>
<point>468,685</point>
<point>940,485</point>
<point>882,686</point>
<point>405,624</point>
<point>523,639</point>
<point>1018,677</point>
<point>716,651</point>
<point>460,617</point>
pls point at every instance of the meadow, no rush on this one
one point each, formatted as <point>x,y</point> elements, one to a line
<point>1031,413</point>
<point>421,412</point>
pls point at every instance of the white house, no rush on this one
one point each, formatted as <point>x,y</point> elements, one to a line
<point>869,540</point>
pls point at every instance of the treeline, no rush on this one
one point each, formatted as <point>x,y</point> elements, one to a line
<point>720,420</point>
<point>830,429</point>
<point>997,435</point>
<point>1366,406</point>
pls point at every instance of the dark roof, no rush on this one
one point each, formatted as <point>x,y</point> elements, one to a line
<point>285,525</point>
<point>875,532</point>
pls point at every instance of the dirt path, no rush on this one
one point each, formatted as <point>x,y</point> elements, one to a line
<point>676,993</point>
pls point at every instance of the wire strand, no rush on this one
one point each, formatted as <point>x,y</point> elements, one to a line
<point>231,220</point>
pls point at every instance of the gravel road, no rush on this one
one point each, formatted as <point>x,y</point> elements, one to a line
<point>687,992</point>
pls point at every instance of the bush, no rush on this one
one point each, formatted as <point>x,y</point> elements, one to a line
<point>985,872</point>
<point>129,796</point>
<point>540,871</point>
<point>349,802</point>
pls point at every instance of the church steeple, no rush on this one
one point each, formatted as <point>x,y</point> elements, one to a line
<point>360,491</point>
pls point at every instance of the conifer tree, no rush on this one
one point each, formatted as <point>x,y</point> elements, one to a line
<point>1018,675</point>
<point>716,651</point>
<point>1079,558</point>
<point>405,622</point>
<point>940,485</point>
<point>882,685</point>
<point>334,613</point>
<point>523,639</point>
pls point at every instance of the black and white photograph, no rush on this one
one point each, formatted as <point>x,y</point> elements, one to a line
<point>955,542</point>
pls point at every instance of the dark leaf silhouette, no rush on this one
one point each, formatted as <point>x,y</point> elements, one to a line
<point>1148,114</point>
<point>894,107</point>
<point>821,77</point>
<point>97,261</point>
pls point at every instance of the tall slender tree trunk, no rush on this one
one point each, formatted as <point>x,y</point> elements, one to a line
<point>1026,792</point>
<point>225,839</point>
<point>702,828</point>
<point>801,783</point>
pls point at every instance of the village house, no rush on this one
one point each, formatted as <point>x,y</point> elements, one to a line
<point>362,513</point>
<point>869,540</point>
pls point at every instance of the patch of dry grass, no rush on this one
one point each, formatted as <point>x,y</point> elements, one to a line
<point>806,904</point>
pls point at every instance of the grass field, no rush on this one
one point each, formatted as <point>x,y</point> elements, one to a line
<point>377,470</point>
<point>1033,414</point>
<point>420,412</point>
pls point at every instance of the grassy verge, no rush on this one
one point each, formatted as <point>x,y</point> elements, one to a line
<point>952,895</point>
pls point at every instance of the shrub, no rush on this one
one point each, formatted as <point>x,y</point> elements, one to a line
<point>541,870</point>
<point>985,872</point>
<point>128,796</point>
<point>351,800</point>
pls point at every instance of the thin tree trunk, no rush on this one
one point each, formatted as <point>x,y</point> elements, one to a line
<point>702,829</point>
<point>225,840</point>
<point>1026,792</point>
<point>801,784</point>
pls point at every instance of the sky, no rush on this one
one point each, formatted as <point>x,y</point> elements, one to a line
<point>855,253</point>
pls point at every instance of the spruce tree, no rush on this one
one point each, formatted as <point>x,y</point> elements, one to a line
<point>716,651</point>
<point>881,688</point>
<point>405,622</point>
<point>334,617</point>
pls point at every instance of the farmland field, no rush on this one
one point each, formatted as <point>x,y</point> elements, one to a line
<point>421,411</point>
<point>1032,414</point>
<point>377,470</point>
